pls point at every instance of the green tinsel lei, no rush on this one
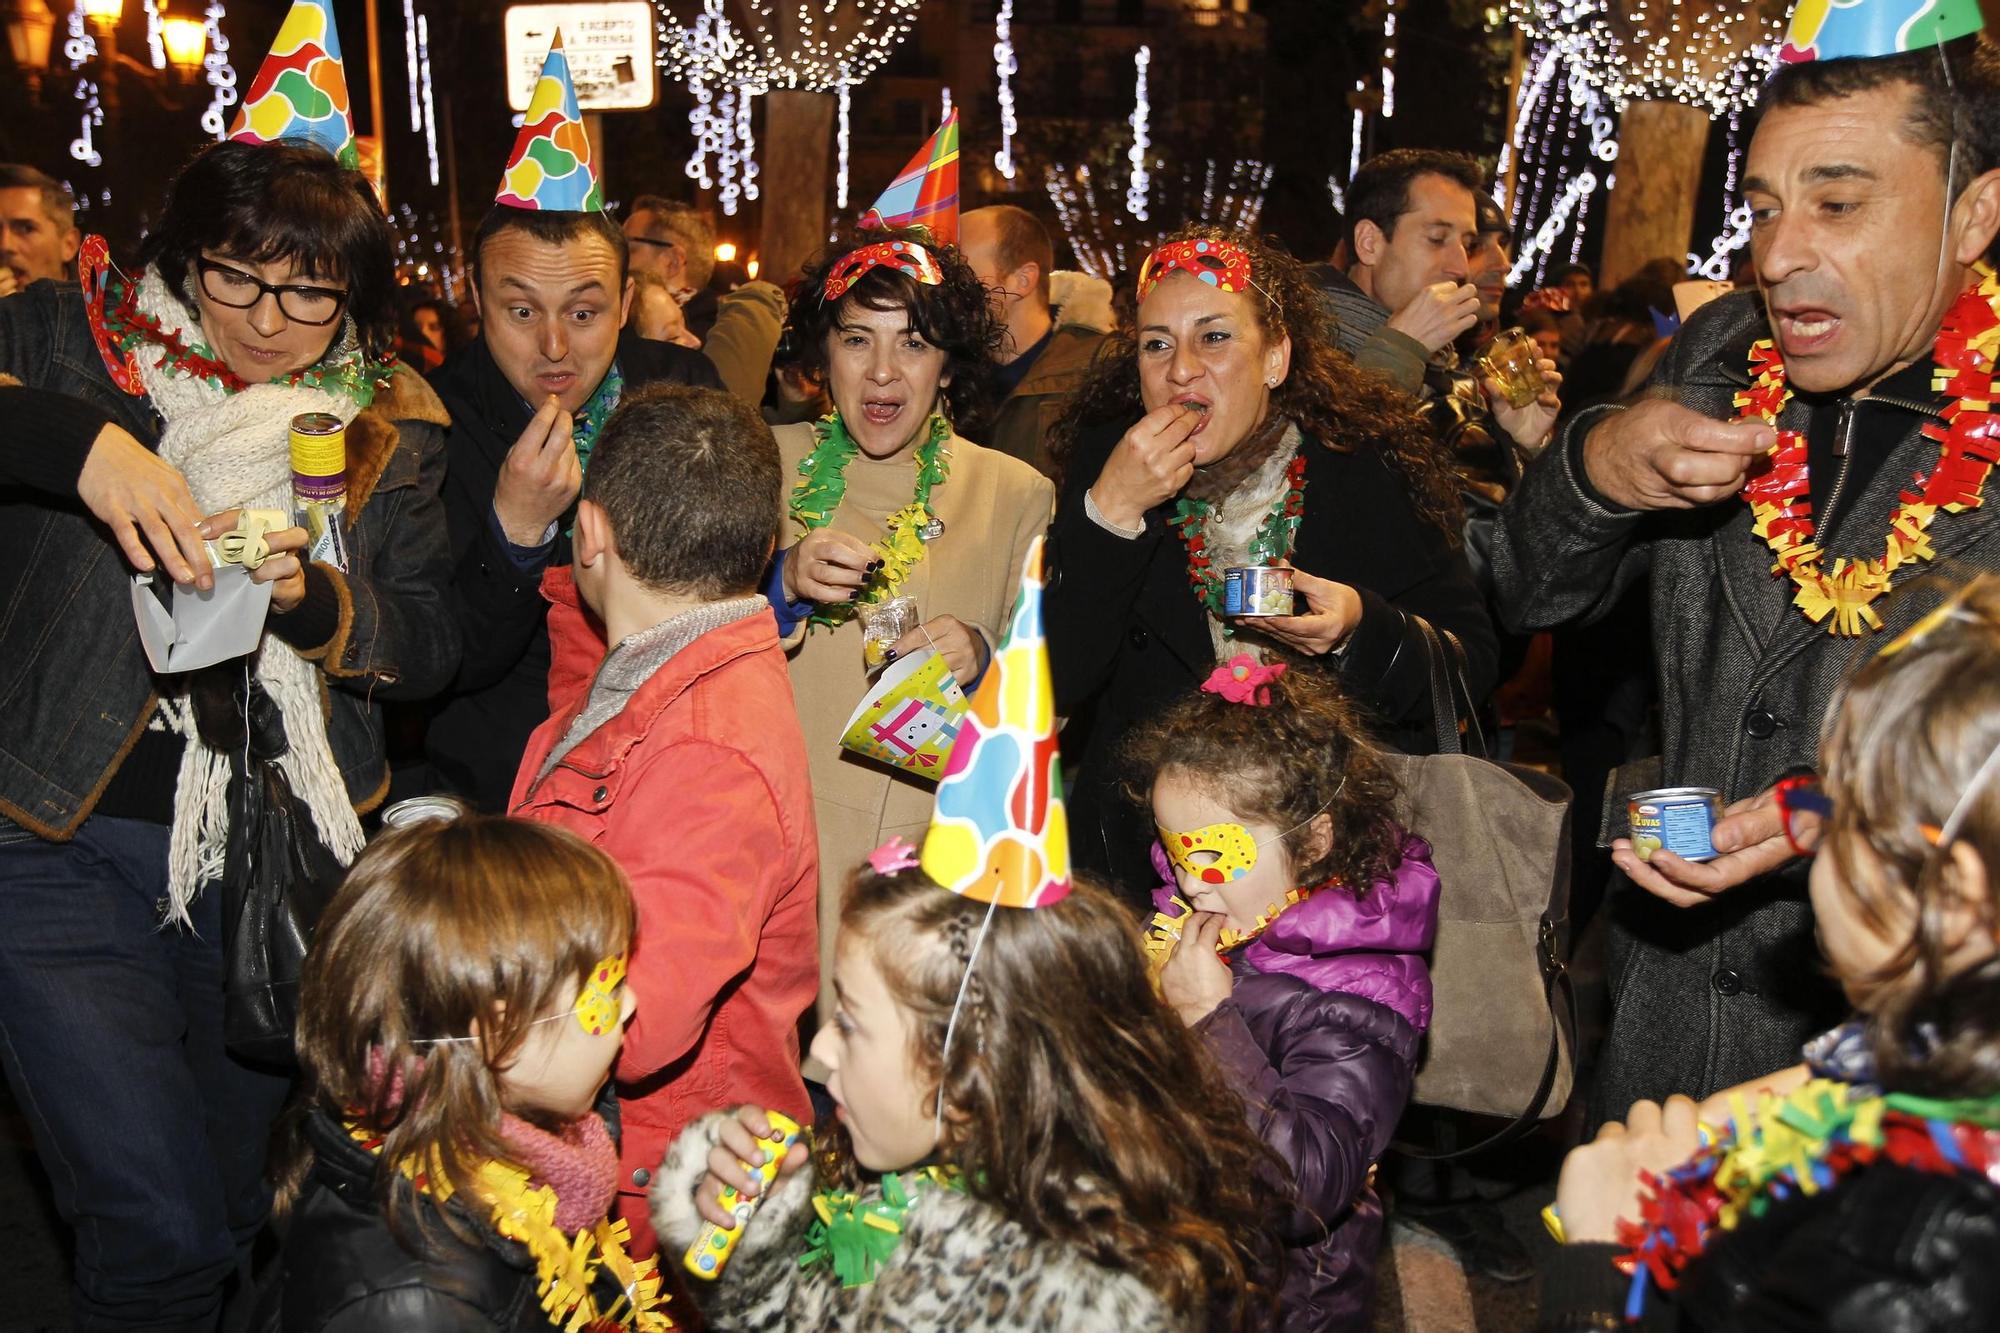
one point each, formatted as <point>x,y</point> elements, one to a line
<point>823,484</point>
<point>855,1237</point>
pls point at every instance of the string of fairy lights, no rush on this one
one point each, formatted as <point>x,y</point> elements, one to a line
<point>1107,238</point>
<point>820,46</point>
<point>1005,67</point>
<point>1586,60</point>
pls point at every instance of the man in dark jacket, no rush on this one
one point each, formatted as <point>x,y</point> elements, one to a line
<point>1876,186</point>
<point>1042,360</point>
<point>526,400</point>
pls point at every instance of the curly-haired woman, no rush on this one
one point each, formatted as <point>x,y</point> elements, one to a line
<point>1233,432</point>
<point>890,502</point>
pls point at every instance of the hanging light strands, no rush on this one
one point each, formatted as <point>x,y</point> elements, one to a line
<point>843,139</point>
<point>1715,58</point>
<point>410,65</point>
<point>1142,116</point>
<point>1005,66</point>
<point>826,42</point>
<point>1106,239</point>
<point>1388,59</point>
<point>80,48</point>
<point>428,107</point>
<point>221,75</point>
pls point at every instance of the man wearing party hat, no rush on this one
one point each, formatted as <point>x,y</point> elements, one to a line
<point>1809,449</point>
<point>527,399</point>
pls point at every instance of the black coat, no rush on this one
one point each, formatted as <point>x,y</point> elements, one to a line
<point>343,1271</point>
<point>1127,634</point>
<point>480,727</point>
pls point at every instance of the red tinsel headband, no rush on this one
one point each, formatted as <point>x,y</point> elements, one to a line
<point>903,256</point>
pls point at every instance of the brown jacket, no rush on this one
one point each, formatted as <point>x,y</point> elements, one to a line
<point>992,507</point>
<point>1021,425</point>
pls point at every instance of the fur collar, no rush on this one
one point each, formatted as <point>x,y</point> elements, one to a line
<point>373,436</point>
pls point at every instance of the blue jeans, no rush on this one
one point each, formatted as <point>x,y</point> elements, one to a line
<point>111,1034</point>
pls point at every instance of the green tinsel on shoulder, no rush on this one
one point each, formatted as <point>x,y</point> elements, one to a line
<point>855,1235</point>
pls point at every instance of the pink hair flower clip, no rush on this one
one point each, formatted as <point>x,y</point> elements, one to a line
<point>1244,680</point>
<point>897,854</point>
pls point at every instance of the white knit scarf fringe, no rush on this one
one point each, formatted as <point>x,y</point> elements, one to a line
<point>235,451</point>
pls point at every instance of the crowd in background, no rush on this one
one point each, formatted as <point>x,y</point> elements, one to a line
<point>1132,1040</point>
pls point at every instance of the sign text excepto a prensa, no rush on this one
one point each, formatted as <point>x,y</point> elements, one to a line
<point>610,49</point>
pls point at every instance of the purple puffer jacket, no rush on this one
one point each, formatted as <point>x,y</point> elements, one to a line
<point>1320,1036</point>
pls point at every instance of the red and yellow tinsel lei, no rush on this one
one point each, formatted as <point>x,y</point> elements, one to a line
<point>1968,440</point>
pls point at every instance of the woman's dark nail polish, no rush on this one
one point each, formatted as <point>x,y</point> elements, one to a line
<point>889,656</point>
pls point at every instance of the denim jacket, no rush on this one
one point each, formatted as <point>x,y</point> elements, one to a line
<point>75,686</point>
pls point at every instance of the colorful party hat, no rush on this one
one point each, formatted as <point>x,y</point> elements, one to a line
<point>1847,29</point>
<point>550,167</point>
<point>301,92</point>
<point>999,833</point>
<point>924,193</point>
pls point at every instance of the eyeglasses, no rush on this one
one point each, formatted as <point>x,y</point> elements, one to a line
<point>238,290</point>
<point>647,240</point>
<point>1804,809</point>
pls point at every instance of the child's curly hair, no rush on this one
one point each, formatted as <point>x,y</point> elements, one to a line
<point>1073,1100</point>
<point>1282,763</point>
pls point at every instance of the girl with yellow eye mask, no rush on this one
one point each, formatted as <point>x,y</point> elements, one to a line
<point>461,1010</point>
<point>1291,934</point>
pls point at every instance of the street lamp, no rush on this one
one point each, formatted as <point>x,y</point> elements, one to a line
<point>30,27</point>
<point>186,41</point>
<point>102,13</point>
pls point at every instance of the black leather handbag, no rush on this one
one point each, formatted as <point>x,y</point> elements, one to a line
<point>277,879</point>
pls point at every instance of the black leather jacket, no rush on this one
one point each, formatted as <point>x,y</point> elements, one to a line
<point>75,686</point>
<point>343,1271</point>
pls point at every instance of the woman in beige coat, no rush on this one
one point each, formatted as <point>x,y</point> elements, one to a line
<point>888,501</point>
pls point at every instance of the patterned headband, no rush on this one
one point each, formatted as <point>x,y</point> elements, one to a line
<point>1221,265</point>
<point>903,256</point>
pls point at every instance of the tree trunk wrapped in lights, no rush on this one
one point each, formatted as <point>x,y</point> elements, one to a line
<point>1668,71</point>
<point>789,57</point>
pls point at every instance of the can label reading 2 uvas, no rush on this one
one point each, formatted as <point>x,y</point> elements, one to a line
<point>1679,819</point>
<point>1256,590</point>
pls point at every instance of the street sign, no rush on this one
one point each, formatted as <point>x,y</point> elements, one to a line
<point>610,48</point>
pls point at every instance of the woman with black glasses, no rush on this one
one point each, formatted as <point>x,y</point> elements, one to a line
<point>147,411</point>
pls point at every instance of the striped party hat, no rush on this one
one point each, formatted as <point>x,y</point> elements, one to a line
<point>924,193</point>
<point>550,167</point>
<point>999,833</point>
<point>301,91</point>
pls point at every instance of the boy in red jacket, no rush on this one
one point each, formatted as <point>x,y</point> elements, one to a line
<point>679,753</point>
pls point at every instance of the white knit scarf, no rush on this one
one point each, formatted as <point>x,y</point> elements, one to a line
<point>234,448</point>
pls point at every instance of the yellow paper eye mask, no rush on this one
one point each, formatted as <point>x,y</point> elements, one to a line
<point>597,1005</point>
<point>1233,849</point>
